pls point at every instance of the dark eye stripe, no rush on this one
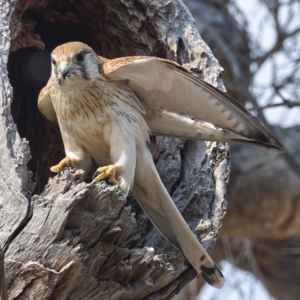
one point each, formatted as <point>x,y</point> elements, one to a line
<point>53,61</point>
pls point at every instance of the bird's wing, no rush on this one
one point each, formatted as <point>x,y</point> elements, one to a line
<point>176,125</point>
<point>165,87</point>
<point>154,199</point>
<point>45,103</point>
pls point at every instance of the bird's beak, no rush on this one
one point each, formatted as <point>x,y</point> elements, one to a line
<point>64,68</point>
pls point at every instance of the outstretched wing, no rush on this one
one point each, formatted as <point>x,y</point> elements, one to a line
<point>45,104</point>
<point>172,97</point>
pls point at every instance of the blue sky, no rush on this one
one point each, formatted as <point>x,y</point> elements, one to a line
<point>261,28</point>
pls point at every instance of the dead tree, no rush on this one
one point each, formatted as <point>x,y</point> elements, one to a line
<point>70,239</point>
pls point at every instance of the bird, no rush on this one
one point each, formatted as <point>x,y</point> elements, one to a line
<point>107,109</point>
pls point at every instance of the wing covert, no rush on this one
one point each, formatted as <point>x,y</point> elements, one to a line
<point>165,86</point>
<point>45,103</point>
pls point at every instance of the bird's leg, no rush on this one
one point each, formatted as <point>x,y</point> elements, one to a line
<point>66,162</point>
<point>107,172</point>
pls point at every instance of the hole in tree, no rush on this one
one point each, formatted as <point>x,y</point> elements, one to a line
<point>56,22</point>
<point>29,70</point>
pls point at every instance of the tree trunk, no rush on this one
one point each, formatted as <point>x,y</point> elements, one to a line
<point>70,239</point>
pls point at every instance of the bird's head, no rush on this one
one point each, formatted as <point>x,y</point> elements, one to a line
<point>73,64</point>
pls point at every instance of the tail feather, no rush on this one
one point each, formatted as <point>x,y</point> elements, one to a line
<point>156,214</point>
<point>154,199</point>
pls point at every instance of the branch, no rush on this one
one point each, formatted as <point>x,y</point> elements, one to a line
<point>289,104</point>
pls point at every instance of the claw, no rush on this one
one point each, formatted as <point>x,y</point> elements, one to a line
<point>66,162</point>
<point>107,172</point>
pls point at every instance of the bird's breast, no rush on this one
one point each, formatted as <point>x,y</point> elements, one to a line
<point>82,114</point>
<point>90,115</point>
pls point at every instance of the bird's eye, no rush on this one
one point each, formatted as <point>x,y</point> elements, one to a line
<point>53,61</point>
<point>80,57</point>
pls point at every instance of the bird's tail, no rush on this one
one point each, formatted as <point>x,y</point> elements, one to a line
<point>154,199</point>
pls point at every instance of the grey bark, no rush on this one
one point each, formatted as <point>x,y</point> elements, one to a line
<point>3,287</point>
<point>78,240</point>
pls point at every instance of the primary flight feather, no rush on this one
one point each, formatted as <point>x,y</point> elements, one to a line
<point>106,110</point>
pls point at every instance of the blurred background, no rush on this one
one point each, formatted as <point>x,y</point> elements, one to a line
<point>257,43</point>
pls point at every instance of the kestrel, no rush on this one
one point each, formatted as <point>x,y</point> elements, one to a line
<point>106,110</point>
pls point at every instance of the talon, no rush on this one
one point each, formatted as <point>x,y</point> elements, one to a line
<point>66,162</point>
<point>107,172</point>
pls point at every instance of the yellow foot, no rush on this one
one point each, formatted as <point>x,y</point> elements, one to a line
<point>107,172</point>
<point>66,162</point>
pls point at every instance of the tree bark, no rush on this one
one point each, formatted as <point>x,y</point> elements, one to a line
<point>69,239</point>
